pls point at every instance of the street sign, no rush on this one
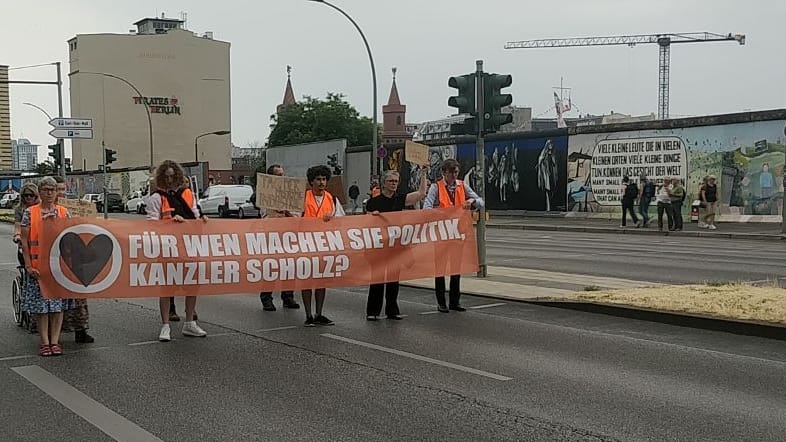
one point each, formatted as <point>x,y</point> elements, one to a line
<point>382,152</point>
<point>71,123</point>
<point>71,133</point>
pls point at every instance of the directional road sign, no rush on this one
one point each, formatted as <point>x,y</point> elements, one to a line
<point>71,123</point>
<point>72,133</point>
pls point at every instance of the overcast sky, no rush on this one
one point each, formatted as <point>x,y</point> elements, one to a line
<point>429,41</point>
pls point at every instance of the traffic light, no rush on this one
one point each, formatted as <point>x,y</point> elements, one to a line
<point>54,152</point>
<point>495,100</point>
<point>465,100</point>
<point>109,156</point>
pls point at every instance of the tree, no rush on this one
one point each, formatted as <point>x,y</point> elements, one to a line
<point>45,168</point>
<point>314,120</point>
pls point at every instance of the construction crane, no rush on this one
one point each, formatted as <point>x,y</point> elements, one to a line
<point>664,41</point>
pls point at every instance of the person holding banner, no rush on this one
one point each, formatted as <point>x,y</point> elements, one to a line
<point>76,319</point>
<point>450,192</point>
<point>48,311</point>
<point>174,201</point>
<point>322,204</point>
<point>389,201</point>
<point>287,296</point>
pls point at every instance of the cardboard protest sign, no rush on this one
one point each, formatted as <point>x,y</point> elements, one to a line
<point>127,258</point>
<point>336,187</point>
<point>280,192</point>
<point>79,208</point>
<point>416,153</point>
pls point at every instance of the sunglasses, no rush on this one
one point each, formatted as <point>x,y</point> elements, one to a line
<point>28,195</point>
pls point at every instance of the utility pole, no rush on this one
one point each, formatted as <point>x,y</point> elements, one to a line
<point>60,115</point>
<point>480,166</point>
<point>105,206</point>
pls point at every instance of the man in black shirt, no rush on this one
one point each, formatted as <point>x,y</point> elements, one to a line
<point>389,201</point>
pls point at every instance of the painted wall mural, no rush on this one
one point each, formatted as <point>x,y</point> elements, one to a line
<point>747,159</point>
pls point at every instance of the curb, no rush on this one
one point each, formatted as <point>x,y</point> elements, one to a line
<point>737,327</point>
<point>633,231</point>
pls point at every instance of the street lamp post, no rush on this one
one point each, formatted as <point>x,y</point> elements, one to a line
<point>147,108</point>
<point>373,80</point>
<point>39,108</point>
<point>196,141</point>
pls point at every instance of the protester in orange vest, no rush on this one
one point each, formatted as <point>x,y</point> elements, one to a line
<point>174,201</point>
<point>319,203</point>
<point>48,312</point>
<point>450,192</point>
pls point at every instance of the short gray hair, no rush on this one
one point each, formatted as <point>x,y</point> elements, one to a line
<point>388,174</point>
<point>47,181</point>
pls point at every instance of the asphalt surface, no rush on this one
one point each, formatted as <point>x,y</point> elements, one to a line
<point>505,372</point>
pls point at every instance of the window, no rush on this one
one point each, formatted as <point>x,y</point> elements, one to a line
<point>398,120</point>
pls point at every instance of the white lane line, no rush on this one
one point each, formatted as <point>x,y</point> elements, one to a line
<point>143,343</point>
<point>496,304</point>
<point>419,357</point>
<point>215,335</point>
<point>432,312</point>
<point>114,425</point>
<point>288,327</point>
<point>14,358</point>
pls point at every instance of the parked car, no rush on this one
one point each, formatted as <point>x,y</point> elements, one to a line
<point>8,200</point>
<point>136,203</point>
<point>91,197</point>
<point>249,209</point>
<point>114,203</point>
<point>225,200</point>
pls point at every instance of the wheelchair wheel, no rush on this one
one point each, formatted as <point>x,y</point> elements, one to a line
<point>16,300</point>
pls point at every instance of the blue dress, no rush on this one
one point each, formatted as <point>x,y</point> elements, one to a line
<point>32,300</point>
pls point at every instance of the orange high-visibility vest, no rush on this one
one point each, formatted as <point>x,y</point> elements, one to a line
<point>444,197</point>
<point>35,230</point>
<point>375,192</point>
<point>168,211</point>
<point>312,210</point>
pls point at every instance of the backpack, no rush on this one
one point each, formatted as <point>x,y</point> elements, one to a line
<point>649,190</point>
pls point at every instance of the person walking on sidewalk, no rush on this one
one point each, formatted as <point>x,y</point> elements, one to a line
<point>629,194</point>
<point>664,204</point>
<point>709,197</point>
<point>646,194</point>
<point>677,196</point>
<point>322,204</point>
<point>389,201</point>
<point>287,296</point>
<point>450,192</point>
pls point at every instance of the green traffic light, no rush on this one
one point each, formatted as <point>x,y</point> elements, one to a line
<point>465,100</point>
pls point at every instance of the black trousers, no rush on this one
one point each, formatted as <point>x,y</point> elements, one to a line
<point>455,290</point>
<point>628,208</point>
<point>665,208</point>
<point>676,214</point>
<point>375,294</point>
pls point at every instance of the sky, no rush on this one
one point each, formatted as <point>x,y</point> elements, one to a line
<point>428,41</point>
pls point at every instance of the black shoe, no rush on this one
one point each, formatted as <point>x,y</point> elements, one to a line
<point>323,320</point>
<point>173,317</point>
<point>310,322</point>
<point>396,317</point>
<point>268,306</point>
<point>458,308</point>
<point>291,304</point>
<point>81,337</point>
<point>372,318</point>
<point>442,309</point>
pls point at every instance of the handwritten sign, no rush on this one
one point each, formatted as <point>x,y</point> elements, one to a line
<point>79,208</point>
<point>280,192</point>
<point>416,153</point>
<point>336,187</point>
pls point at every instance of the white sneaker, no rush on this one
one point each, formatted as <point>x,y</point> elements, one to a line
<point>164,336</point>
<point>712,227</point>
<point>702,225</point>
<point>190,328</point>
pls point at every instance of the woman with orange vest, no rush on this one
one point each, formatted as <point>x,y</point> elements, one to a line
<point>450,192</point>
<point>319,203</point>
<point>174,201</point>
<point>48,312</point>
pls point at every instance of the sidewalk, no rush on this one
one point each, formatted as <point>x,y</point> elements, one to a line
<point>560,222</point>
<point>555,289</point>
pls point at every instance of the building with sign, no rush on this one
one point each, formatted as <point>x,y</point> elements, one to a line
<point>24,154</point>
<point>182,79</point>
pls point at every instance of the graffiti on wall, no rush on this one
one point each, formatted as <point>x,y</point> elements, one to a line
<point>747,158</point>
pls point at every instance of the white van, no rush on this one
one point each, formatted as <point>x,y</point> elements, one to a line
<point>224,200</point>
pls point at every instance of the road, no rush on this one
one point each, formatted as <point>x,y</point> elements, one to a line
<point>503,371</point>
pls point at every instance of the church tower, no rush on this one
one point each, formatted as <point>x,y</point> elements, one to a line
<point>289,95</point>
<point>394,118</point>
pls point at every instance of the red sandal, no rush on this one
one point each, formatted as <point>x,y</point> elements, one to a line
<point>44,350</point>
<point>56,350</point>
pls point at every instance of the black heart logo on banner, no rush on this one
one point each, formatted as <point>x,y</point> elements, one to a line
<point>85,260</point>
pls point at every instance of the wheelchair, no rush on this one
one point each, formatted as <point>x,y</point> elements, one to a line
<point>22,318</point>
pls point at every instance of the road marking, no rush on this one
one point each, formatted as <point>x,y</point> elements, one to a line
<point>144,343</point>
<point>215,335</point>
<point>14,358</point>
<point>288,327</point>
<point>496,304</point>
<point>432,312</point>
<point>114,425</point>
<point>419,357</point>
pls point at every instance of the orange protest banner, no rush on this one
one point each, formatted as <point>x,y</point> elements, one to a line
<point>131,259</point>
